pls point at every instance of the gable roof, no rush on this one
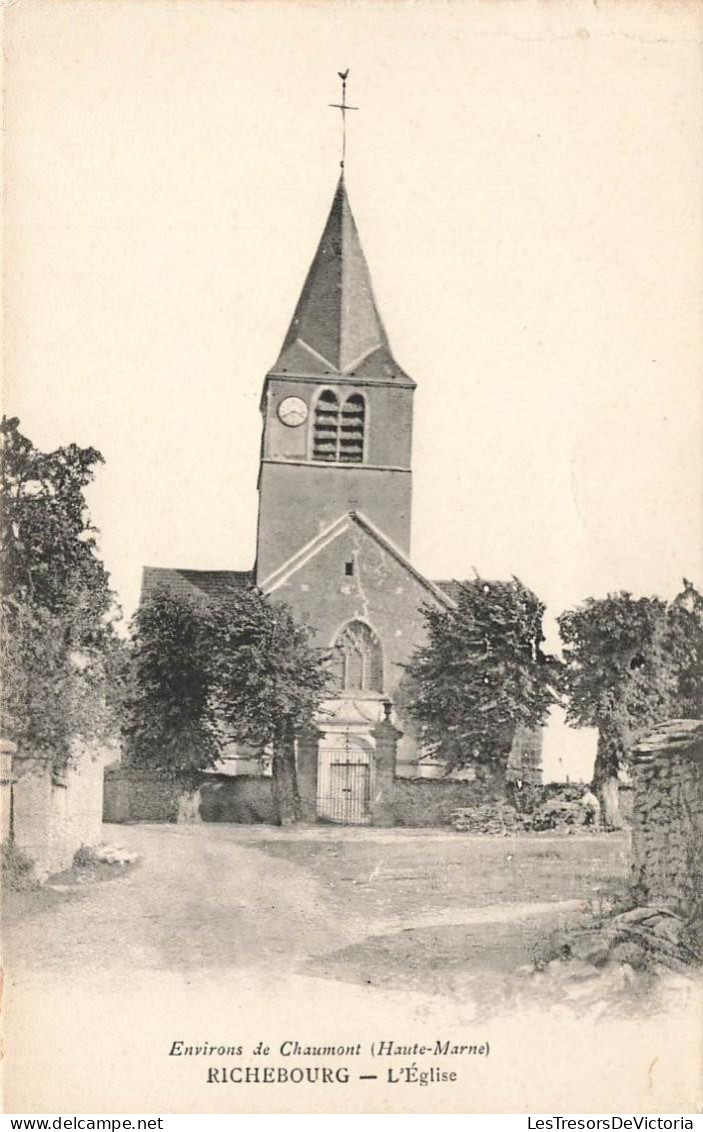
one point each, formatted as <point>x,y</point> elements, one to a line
<point>189,583</point>
<point>329,534</point>
<point>336,328</point>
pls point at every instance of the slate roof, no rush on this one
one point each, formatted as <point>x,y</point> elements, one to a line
<point>336,328</point>
<point>453,587</point>
<point>212,583</point>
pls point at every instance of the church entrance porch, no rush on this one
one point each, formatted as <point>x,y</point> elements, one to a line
<point>346,765</point>
<point>344,781</point>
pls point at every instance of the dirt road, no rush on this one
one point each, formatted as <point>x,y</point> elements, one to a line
<point>220,895</point>
<point>234,935</point>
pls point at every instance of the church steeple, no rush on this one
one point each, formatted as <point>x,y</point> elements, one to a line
<point>336,407</point>
<point>336,327</point>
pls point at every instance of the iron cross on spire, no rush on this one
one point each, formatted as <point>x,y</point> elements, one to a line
<point>343,106</point>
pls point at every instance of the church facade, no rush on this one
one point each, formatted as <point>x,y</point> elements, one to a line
<point>334,520</point>
<point>335,489</point>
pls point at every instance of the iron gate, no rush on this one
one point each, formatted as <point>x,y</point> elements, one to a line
<point>345,786</point>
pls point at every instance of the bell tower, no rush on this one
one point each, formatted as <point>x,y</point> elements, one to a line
<point>336,408</point>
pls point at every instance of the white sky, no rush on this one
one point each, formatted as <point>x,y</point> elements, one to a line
<point>527,184</point>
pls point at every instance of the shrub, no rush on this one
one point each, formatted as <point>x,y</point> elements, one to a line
<point>84,857</point>
<point>17,868</point>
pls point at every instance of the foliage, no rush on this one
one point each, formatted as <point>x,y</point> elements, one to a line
<point>60,655</point>
<point>85,857</point>
<point>683,643</point>
<point>630,663</point>
<point>269,680</point>
<point>17,868</point>
<point>48,550</point>
<point>169,723</point>
<point>612,663</point>
<point>37,680</point>
<point>481,674</point>
<point>210,671</point>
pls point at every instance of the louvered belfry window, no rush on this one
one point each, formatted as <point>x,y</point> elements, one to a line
<point>351,438</point>
<point>326,427</point>
<point>338,431</point>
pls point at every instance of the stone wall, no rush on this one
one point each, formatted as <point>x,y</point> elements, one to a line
<point>667,818</point>
<point>133,795</point>
<point>139,795</point>
<point>245,799</point>
<point>430,801</point>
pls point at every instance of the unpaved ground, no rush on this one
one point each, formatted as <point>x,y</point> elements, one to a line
<point>230,934</point>
<point>392,906</point>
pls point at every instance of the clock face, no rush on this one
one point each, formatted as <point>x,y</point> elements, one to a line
<point>293,411</point>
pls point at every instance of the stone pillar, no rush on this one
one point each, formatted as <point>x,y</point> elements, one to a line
<point>7,750</point>
<point>667,820</point>
<point>307,752</point>
<point>386,737</point>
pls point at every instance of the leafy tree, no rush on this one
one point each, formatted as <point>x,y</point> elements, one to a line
<point>210,671</point>
<point>169,722</point>
<point>481,674</point>
<point>269,683</point>
<point>48,549</point>
<point>61,657</point>
<point>629,663</point>
<point>684,646</point>
<point>37,680</point>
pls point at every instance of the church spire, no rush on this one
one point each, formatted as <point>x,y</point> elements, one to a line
<point>336,327</point>
<point>336,320</point>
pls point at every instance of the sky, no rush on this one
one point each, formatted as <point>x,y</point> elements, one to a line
<point>526,179</point>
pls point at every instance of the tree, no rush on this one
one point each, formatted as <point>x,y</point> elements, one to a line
<point>622,658</point>
<point>269,683</point>
<point>210,671</point>
<point>60,654</point>
<point>684,645</point>
<point>48,548</point>
<point>169,722</point>
<point>481,674</point>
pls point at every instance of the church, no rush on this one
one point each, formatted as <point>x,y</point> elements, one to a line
<point>334,519</point>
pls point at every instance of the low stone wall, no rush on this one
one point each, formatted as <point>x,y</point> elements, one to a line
<point>430,801</point>
<point>133,795</point>
<point>140,795</point>
<point>667,818</point>
<point>246,799</point>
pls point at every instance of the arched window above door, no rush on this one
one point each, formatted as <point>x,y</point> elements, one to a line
<point>358,659</point>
